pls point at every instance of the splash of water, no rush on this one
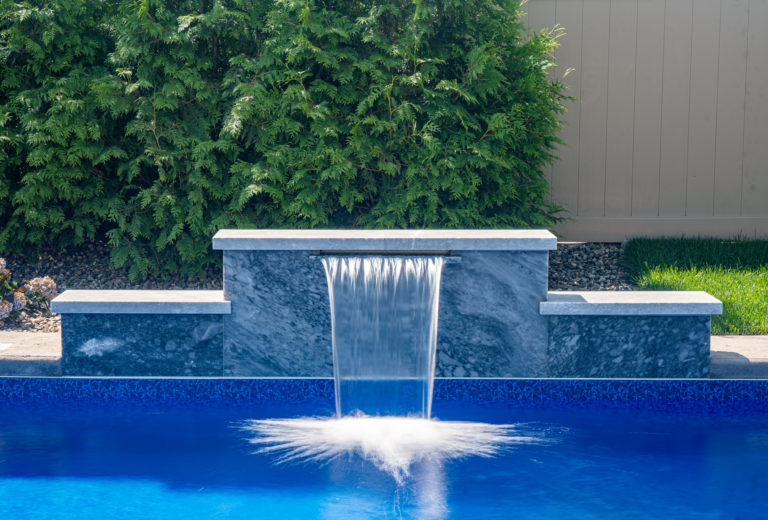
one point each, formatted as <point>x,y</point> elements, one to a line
<point>393,444</point>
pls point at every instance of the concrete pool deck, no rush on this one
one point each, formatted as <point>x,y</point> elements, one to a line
<point>39,354</point>
<point>30,353</point>
<point>739,357</point>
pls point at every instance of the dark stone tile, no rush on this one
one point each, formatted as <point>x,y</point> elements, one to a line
<point>141,345</point>
<point>629,346</point>
<point>489,322</point>
<point>280,323</point>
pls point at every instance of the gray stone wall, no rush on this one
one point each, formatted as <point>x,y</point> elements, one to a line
<point>629,346</point>
<point>141,344</point>
<point>280,323</point>
<point>276,322</point>
<point>489,324</point>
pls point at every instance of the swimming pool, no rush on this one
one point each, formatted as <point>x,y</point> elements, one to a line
<point>175,448</point>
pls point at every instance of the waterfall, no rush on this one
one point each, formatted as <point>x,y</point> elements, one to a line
<point>384,318</point>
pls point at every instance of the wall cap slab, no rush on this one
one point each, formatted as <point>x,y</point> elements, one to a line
<point>385,240</point>
<point>630,303</point>
<point>141,302</point>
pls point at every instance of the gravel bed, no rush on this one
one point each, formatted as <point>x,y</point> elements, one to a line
<point>587,267</point>
<point>591,266</point>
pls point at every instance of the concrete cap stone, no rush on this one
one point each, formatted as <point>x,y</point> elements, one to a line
<point>630,303</point>
<point>141,302</point>
<point>385,240</point>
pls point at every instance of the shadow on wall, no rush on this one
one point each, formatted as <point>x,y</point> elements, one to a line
<point>30,367</point>
<point>732,365</point>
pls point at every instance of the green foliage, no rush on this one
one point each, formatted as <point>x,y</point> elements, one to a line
<point>156,123</point>
<point>434,113</point>
<point>54,142</point>
<point>175,189</point>
<point>687,253</point>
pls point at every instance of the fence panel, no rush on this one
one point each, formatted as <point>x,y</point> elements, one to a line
<point>670,133</point>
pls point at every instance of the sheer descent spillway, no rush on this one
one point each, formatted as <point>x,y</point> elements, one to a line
<point>384,318</point>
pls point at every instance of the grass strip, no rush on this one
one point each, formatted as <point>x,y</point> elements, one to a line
<point>734,271</point>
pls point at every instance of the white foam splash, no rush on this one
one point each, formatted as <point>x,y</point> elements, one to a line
<point>391,443</point>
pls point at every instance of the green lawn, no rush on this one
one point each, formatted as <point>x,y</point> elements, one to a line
<point>734,271</point>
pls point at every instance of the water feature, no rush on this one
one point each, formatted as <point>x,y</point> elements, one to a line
<point>384,311</point>
<point>384,319</point>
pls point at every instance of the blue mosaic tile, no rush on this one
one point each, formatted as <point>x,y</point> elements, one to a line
<point>666,394</point>
<point>181,391</point>
<point>671,395</point>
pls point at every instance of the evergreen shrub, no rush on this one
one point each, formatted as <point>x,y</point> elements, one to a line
<point>155,123</point>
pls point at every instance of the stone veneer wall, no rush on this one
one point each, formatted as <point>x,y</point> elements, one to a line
<point>629,346</point>
<point>489,323</point>
<point>496,317</point>
<point>141,345</point>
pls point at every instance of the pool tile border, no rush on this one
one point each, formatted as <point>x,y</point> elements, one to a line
<point>676,393</point>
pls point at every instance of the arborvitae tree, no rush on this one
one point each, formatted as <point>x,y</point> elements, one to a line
<point>398,113</point>
<point>160,122</point>
<point>170,60</point>
<point>55,144</point>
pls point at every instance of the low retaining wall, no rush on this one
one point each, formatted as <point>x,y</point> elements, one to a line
<point>496,317</point>
<point>652,334</point>
<point>141,333</point>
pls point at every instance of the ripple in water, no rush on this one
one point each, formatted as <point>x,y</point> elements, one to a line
<point>393,444</point>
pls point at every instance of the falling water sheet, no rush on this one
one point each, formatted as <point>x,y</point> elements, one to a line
<point>384,318</point>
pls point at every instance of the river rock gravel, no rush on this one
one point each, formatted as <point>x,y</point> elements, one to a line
<point>573,266</point>
<point>591,266</point>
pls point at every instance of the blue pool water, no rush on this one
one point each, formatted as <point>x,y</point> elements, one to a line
<point>169,459</point>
